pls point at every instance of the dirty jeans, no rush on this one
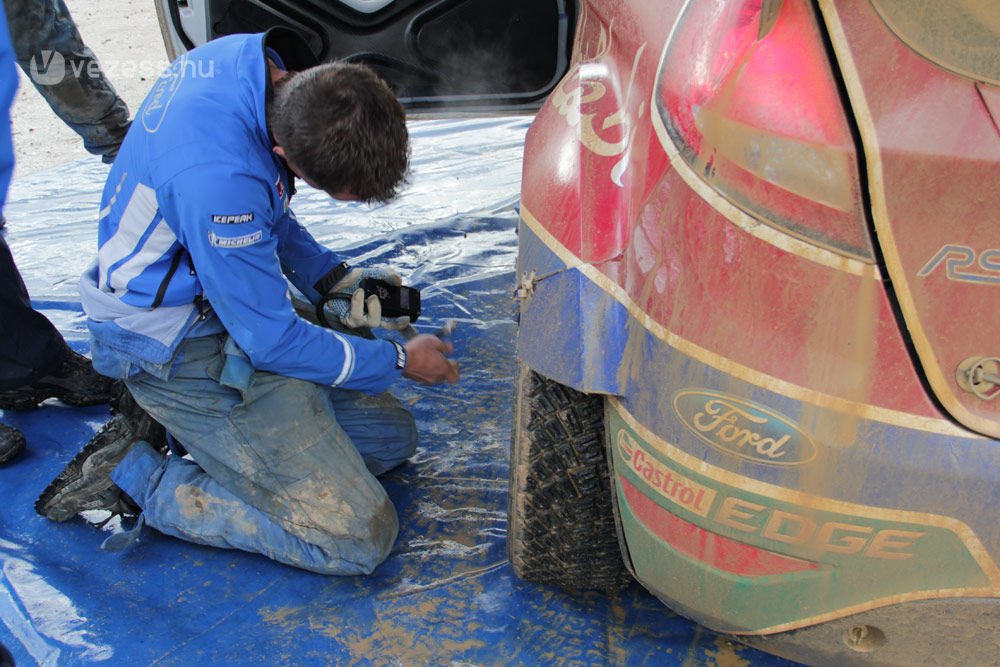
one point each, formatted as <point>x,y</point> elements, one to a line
<point>65,71</point>
<point>285,468</point>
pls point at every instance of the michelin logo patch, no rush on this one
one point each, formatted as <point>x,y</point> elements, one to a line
<point>234,241</point>
<point>232,219</point>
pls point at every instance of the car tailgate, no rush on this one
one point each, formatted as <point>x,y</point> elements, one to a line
<point>932,149</point>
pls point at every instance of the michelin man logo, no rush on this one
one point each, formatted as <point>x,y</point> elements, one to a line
<point>47,68</point>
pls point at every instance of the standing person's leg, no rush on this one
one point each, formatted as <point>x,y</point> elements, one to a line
<point>30,347</point>
<point>273,471</point>
<point>35,361</point>
<point>29,344</point>
<point>67,74</point>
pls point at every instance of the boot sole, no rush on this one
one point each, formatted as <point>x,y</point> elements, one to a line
<point>84,483</point>
<point>19,443</point>
<point>35,399</point>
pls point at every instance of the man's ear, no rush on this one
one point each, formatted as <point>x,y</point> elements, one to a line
<point>279,151</point>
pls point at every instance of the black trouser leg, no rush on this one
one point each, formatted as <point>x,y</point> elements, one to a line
<point>67,74</point>
<point>30,347</point>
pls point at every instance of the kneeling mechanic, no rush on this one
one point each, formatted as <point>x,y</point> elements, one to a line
<point>286,424</point>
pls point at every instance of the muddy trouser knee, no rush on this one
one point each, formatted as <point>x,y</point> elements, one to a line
<point>273,471</point>
<point>67,74</point>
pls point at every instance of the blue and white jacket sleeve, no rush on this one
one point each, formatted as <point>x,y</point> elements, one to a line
<point>231,230</point>
<point>305,261</point>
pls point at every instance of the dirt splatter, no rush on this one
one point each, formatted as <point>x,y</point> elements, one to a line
<point>196,505</point>
<point>725,654</point>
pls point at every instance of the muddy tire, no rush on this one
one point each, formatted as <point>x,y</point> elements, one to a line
<point>561,521</point>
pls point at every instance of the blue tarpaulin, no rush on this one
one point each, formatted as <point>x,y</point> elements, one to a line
<point>447,594</point>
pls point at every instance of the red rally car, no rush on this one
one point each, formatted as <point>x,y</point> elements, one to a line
<point>758,288</point>
<point>759,359</point>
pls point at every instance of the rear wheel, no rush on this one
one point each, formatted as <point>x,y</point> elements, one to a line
<point>561,521</point>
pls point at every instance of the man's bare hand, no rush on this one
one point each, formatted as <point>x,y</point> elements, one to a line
<point>427,360</point>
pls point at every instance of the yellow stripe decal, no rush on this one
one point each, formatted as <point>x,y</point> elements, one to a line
<point>737,370</point>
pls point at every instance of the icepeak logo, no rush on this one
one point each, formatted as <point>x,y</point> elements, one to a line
<point>744,428</point>
<point>48,68</point>
<point>232,219</point>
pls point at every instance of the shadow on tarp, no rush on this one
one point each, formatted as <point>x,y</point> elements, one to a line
<point>447,594</point>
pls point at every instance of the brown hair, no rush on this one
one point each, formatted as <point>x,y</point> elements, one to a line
<point>343,127</point>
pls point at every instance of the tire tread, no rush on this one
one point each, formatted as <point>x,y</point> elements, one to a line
<point>562,520</point>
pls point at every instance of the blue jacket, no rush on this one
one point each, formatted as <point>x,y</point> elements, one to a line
<point>8,88</point>
<point>196,235</point>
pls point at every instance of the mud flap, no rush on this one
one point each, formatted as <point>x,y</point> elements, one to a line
<point>571,334</point>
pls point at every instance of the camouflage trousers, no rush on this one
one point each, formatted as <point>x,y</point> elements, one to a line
<point>65,71</point>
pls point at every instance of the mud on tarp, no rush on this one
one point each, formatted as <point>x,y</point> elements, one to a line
<point>447,594</point>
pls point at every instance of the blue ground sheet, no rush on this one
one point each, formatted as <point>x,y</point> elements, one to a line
<point>447,595</point>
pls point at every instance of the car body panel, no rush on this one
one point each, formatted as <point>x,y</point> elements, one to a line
<point>852,557</point>
<point>766,368</point>
<point>934,184</point>
<point>603,209</point>
<point>942,545</point>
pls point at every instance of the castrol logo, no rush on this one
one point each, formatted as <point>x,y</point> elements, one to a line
<point>682,491</point>
<point>744,428</point>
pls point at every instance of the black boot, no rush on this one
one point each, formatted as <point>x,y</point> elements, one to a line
<point>74,381</point>
<point>11,443</point>
<point>6,659</point>
<point>85,483</point>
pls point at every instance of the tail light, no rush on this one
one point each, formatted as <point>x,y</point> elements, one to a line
<point>748,96</point>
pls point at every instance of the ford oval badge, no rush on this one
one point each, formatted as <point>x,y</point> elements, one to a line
<point>744,428</point>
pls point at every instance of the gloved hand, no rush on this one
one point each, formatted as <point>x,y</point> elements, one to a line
<point>354,310</point>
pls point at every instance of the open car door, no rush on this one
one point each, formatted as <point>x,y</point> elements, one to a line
<point>454,55</point>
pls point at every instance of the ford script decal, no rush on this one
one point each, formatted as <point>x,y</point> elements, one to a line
<point>748,430</point>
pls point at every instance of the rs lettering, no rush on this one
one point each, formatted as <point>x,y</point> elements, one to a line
<point>961,264</point>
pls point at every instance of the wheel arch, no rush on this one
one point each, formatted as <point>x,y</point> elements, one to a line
<point>562,334</point>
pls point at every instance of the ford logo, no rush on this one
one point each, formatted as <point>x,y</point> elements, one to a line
<point>748,430</point>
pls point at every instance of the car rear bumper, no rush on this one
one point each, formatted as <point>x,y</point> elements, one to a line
<point>744,556</point>
<point>749,504</point>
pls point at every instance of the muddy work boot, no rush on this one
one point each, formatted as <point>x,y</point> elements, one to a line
<point>11,443</point>
<point>74,382</point>
<point>85,483</point>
